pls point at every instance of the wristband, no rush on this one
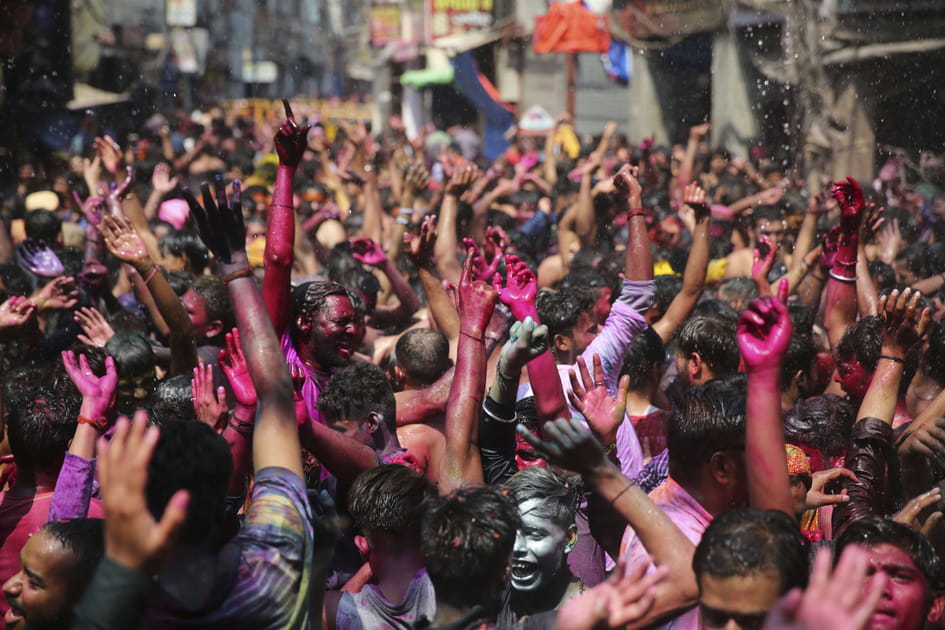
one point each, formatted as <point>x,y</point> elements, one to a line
<point>621,493</point>
<point>839,278</point>
<point>245,428</point>
<point>889,357</point>
<point>635,212</point>
<point>245,272</point>
<point>474,338</point>
<point>154,271</point>
<point>100,424</point>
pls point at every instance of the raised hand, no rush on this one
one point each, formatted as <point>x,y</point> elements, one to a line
<point>694,197</point>
<point>291,139</point>
<point>842,600</point>
<point>161,179</point>
<point>483,270</point>
<point>97,391</point>
<point>625,181</point>
<point>567,444</point>
<point>925,439</point>
<point>526,342</point>
<point>220,222</point>
<point>904,323</point>
<point>698,132</point>
<point>477,301</point>
<point>462,179</point>
<point>133,538</point>
<point>623,599</point>
<point>771,196</point>
<point>96,328</point>
<point>521,287</point>
<point>16,311</point>
<point>365,250</point>
<point>209,404</point>
<point>417,180</point>
<point>59,294</point>
<point>91,208</point>
<point>109,153</point>
<point>761,265</point>
<point>117,192</point>
<point>604,413</point>
<point>829,246</point>
<point>890,241</point>
<point>39,259</point>
<point>850,197</point>
<point>764,331</point>
<point>496,242</point>
<point>420,249</point>
<point>123,241</point>
<point>233,364</point>
<point>911,514</point>
<point>817,497</point>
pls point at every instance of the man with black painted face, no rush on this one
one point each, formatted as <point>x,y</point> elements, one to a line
<point>540,578</point>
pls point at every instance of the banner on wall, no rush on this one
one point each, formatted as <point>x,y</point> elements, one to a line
<point>447,18</point>
<point>385,23</point>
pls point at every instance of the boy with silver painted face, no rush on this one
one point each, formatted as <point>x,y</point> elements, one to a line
<point>540,579</point>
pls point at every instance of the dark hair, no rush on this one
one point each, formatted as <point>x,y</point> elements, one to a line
<point>715,308</point>
<point>933,362</point>
<point>871,531</point>
<point>467,542</point>
<point>423,354</point>
<point>883,275</point>
<point>179,281</point>
<point>802,318</point>
<point>561,310</point>
<point>84,538</point>
<point>707,419</point>
<point>41,421</point>
<point>171,400</point>
<point>713,339</point>
<point>740,289</point>
<point>798,358</point>
<point>308,299</point>
<point>766,213</point>
<point>186,242</point>
<point>216,299</point>
<point>15,280</point>
<point>743,542</point>
<point>863,341</point>
<point>560,493</point>
<point>191,456</point>
<point>666,288</point>
<point>133,354</point>
<point>823,422</point>
<point>42,225</point>
<point>644,352</point>
<point>357,391</point>
<point>390,499</point>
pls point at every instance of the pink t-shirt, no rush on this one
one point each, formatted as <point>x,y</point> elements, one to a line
<point>691,518</point>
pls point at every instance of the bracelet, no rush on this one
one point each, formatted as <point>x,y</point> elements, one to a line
<point>405,211</point>
<point>847,263</point>
<point>98,423</point>
<point>153,272</point>
<point>474,338</point>
<point>403,220</point>
<point>283,205</point>
<point>245,272</point>
<point>635,212</point>
<point>889,357</point>
<point>841,278</point>
<point>621,493</point>
<point>245,428</point>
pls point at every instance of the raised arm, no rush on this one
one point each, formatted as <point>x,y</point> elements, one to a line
<point>697,264</point>
<point>420,251</point>
<point>370,253</point>
<point>461,460</point>
<point>764,332</point>
<point>840,309</point>
<point>447,242</point>
<point>276,435</point>
<point>696,135</point>
<point>239,430</point>
<point>124,243</point>
<point>290,143</point>
<point>638,262</point>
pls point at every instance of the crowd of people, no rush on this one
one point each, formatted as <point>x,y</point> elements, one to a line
<point>298,374</point>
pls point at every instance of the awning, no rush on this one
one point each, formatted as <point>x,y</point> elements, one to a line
<point>86,96</point>
<point>467,41</point>
<point>427,76</point>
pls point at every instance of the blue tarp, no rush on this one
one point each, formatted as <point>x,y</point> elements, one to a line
<point>497,118</point>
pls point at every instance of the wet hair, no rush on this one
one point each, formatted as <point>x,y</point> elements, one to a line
<point>743,542</point>
<point>216,299</point>
<point>308,299</point>
<point>186,242</point>
<point>15,280</point>
<point>883,275</point>
<point>171,400</point>
<point>823,422</point>
<point>644,352</point>
<point>802,318</point>
<point>72,261</point>
<point>666,288</point>
<point>715,308</point>
<point>133,355</point>
<point>390,499</point>
<point>179,281</point>
<point>561,310</point>
<point>423,354</point>
<point>713,339</point>
<point>740,289</point>
<point>84,538</point>
<point>41,421</point>
<point>863,341</point>
<point>933,362</point>
<point>559,493</point>
<point>798,358</point>
<point>356,392</point>
<point>191,456</point>
<point>871,531</point>
<point>42,225</point>
<point>766,213</point>
<point>467,542</point>
<point>709,418</point>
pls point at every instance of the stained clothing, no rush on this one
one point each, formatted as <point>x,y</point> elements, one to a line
<point>370,610</point>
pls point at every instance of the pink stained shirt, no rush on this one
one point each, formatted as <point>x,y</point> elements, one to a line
<point>691,518</point>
